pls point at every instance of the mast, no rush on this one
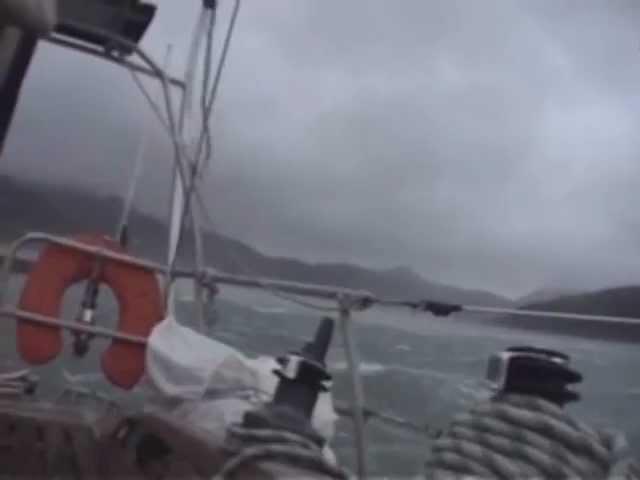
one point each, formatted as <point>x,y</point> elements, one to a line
<point>177,206</point>
<point>21,24</point>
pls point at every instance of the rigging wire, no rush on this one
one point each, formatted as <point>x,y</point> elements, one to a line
<point>160,73</point>
<point>178,213</point>
<point>206,80</point>
<point>199,253</point>
<point>293,299</point>
<point>182,188</point>
<point>436,308</point>
<point>190,186</point>
<point>442,309</point>
<point>552,314</point>
<point>245,270</point>
<point>121,230</point>
<point>135,177</point>
<point>179,152</point>
<point>218,75</point>
<point>190,70</point>
<point>157,111</point>
<point>181,157</point>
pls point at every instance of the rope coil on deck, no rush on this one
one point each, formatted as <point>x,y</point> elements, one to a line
<point>277,446</point>
<point>517,436</point>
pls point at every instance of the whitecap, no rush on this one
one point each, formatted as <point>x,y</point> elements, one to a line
<point>270,310</point>
<point>366,368</point>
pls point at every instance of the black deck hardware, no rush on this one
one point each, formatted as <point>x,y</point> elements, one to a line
<point>302,377</point>
<point>543,373</point>
<point>82,20</point>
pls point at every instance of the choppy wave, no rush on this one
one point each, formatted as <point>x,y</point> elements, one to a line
<point>373,368</point>
<point>474,390</point>
<point>365,368</point>
<point>270,310</point>
<point>84,377</point>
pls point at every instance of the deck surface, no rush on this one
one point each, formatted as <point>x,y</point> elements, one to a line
<point>42,441</point>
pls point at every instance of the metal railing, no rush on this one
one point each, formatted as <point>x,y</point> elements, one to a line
<point>357,299</point>
<point>8,310</point>
<point>61,41</point>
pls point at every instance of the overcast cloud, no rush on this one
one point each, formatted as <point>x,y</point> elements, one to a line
<point>489,144</point>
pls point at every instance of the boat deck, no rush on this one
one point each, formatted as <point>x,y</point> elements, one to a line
<point>43,440</point>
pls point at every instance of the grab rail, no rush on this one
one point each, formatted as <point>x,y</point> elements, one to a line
<point>208,276</point>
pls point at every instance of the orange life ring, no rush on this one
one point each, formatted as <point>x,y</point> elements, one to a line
<point>136,290</point>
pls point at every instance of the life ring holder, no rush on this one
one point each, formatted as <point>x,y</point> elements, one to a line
<point>39,328</point>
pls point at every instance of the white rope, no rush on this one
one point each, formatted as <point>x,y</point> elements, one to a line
<point>269,435</point>
<point>516,436</point>
<point>282,447</point>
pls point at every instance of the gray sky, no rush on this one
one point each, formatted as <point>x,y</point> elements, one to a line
<point>488,144</point>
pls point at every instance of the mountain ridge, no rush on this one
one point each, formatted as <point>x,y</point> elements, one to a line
<point>546,294</point>
<point>56,209</point>
<point>622,301</point>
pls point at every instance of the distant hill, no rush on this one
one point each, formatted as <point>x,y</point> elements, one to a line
<point>65,210</point>
<point>621,301</point>
<point>545,294</point>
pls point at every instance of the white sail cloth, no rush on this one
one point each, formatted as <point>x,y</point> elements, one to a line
<point>207,375</point>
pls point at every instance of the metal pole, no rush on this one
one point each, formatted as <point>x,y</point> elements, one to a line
<point>185,110</point>
<point>35,237</point>
<point>327,292</point>
<point>73,326</point>
<point>357,391</point>
<point>179,185</point>
<point>62,42</point>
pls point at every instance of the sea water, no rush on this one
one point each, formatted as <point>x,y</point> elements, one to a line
<point>413,366</point>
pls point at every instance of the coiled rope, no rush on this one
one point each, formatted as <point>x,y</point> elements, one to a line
<point>259,445</point>
<point>517,436</point>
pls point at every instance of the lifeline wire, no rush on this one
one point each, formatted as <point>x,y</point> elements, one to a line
<point>190,186</point>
